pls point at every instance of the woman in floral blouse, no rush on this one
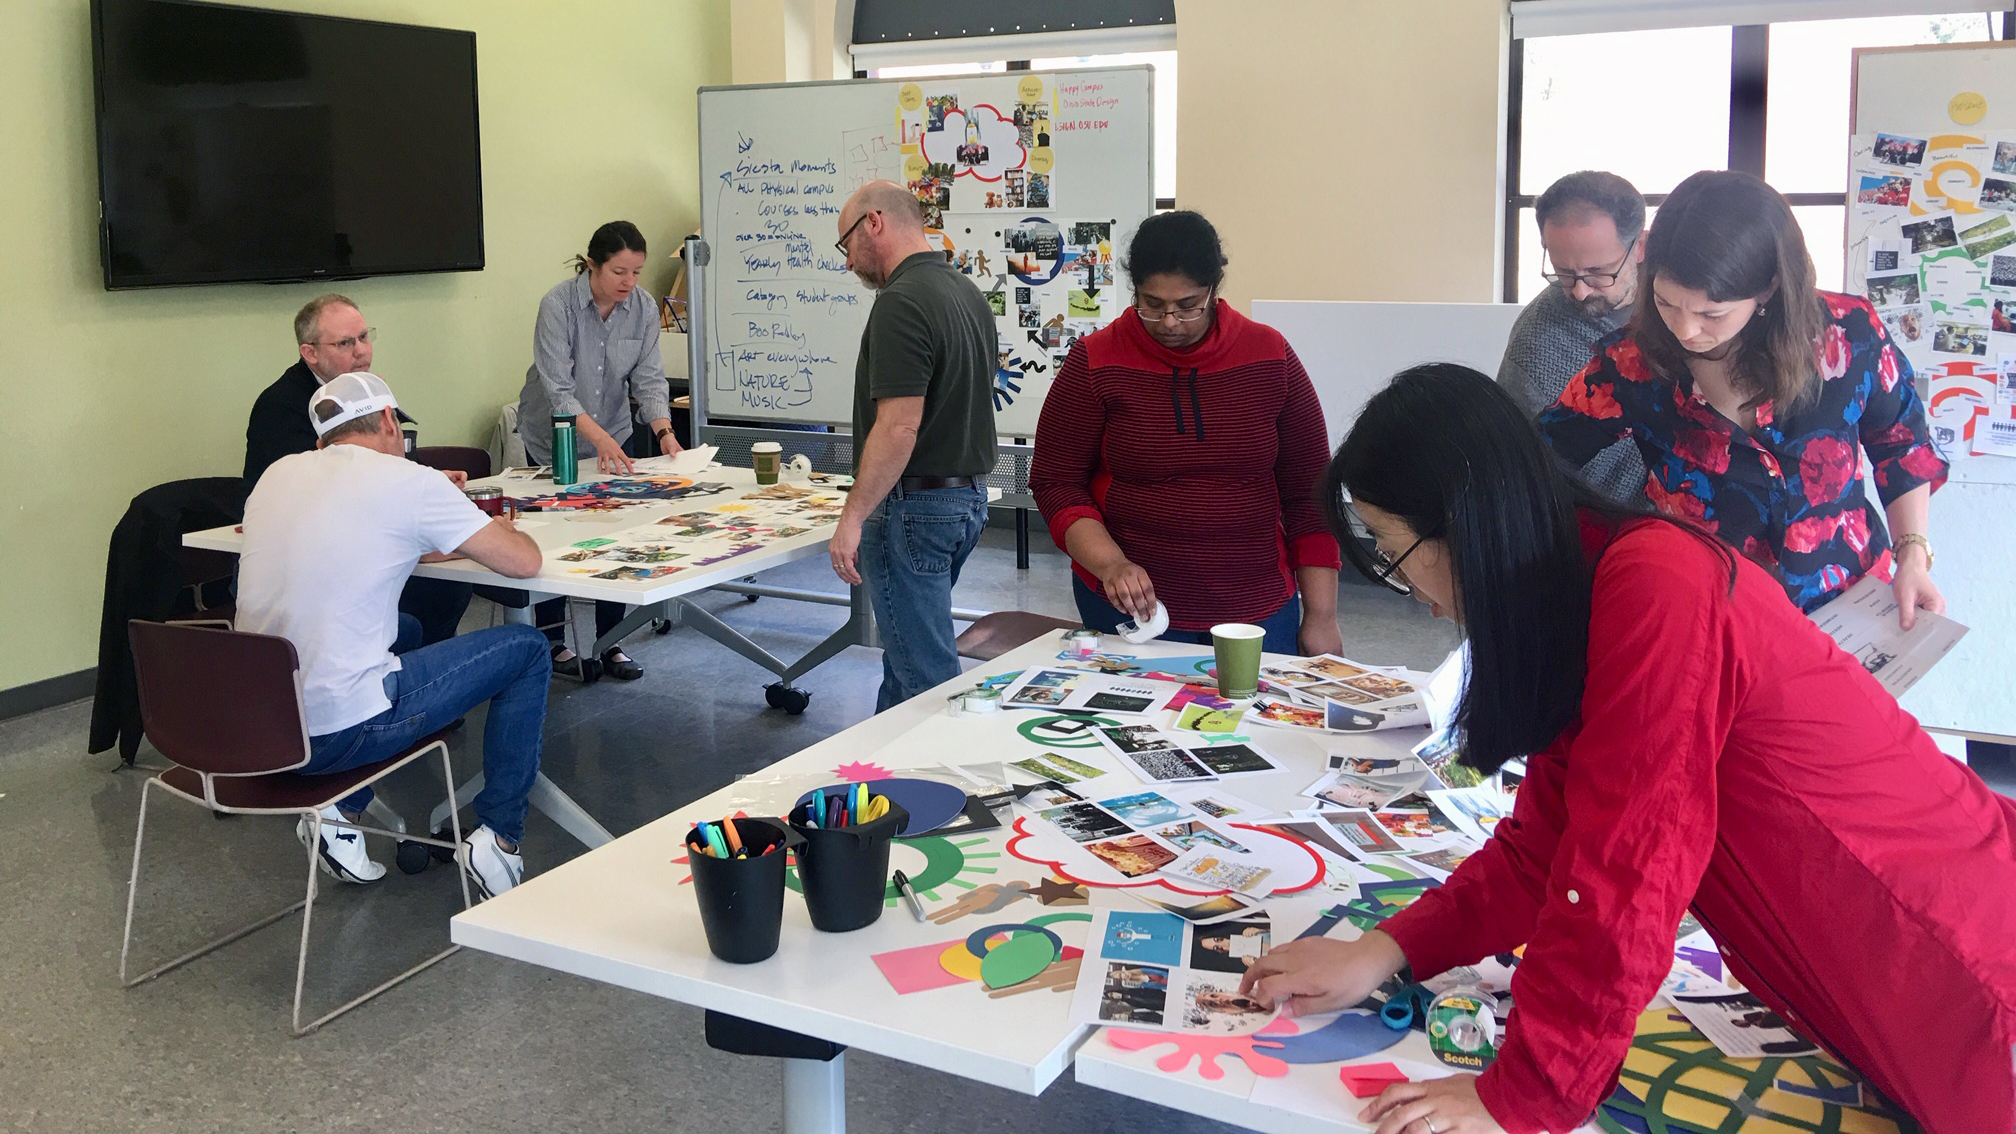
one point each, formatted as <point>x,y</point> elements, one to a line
<point>1751,395</point>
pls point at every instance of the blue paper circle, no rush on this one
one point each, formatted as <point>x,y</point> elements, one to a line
<point>931,804</point>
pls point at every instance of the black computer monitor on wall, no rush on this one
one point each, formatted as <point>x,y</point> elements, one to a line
<point>244,144</point>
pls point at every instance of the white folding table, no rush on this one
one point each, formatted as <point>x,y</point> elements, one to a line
<point>650,599</point>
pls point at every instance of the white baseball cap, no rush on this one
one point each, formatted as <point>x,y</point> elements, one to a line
<point>348,397</point>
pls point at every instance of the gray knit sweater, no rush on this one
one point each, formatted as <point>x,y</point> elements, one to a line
<point>1551,342</point>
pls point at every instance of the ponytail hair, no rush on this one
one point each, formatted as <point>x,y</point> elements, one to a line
<point>616,236</point>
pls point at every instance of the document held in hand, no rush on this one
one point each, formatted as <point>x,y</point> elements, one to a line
<point>1863,620</point>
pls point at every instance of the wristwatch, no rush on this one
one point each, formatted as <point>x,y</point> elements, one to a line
<point>1909,538</point>
<point>665,432</point>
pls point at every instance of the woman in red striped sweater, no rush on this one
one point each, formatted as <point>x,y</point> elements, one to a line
<point>1177,459</point>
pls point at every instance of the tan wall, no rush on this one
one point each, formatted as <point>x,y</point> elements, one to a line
<point>1346,149</point>
<point>587,115</point>
<point>791,41</point>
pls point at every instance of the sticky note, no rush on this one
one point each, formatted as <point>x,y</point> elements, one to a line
<point>1368,1079</point>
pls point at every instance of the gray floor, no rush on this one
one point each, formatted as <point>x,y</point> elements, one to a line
<point>477,1043</point>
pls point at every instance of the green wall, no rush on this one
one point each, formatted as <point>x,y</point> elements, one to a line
<point>588,114</point>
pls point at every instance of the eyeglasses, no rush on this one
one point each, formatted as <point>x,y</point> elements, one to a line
<point>1179,314</point>
<point>841,243</point>
<point>1566,281</point>
<point>351,342</point>
<point>1389,566</point>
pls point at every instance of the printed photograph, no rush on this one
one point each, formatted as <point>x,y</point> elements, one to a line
<point>1133,855</point>
<point>1998,194</point>
<point>1413,823</point>
<point>1292,678</point>
<point>1014,186</point>
<point>1283,713</point>
<point>1192,834</point>
<point>1988,236</point>
<point>1907,324</point>
<point>1892,190</point>
<point>1317,832</point>
<point>1444,859</point>
<point>936,107</point>
<point>1082,822</point>
<point>1340,717</point>
<point>1039,191</point>
<point>1346,792</point>
<point>1028,316</point>
<point>1931,235</point>
<point>1379,685</point>
<point>1146,809</point>
<point>1109,701</point>
<point>1209,909</point>
<point>1212,1005</point>
<point>1898,150</point>
<point>1136,738</point>
<point>1229,946</point>
<point>1076,767</point>
<point>1217,808</point>
<point>2002,271</point>
<point>1168,765</point>
<point>1091,232</point>
<point>1893,291</point>
<point>1961,338</point>
<point>1043,771</point>
<point>997,302</point>
<point>2005,158</point>
<point>1232,759</point>
<point>1134,994</point>
<point>1080,305</point>
<point>1040,238</point>
<point>1883,261</point>
<point>1334,668</point>
<point>1150,938</point>
<point>1337,691</point>
<point>1362,831</point>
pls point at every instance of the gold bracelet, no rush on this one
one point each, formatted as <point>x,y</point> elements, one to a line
<point>1909,538</point>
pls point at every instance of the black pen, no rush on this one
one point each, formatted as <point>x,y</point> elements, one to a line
<point>909,896</point>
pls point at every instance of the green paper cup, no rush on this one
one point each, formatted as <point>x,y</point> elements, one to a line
<point>1237,646</point>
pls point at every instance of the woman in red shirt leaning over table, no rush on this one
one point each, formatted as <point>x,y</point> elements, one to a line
<point>1752,396</point>
<point>1177,457</point>
<point>1697,744</point>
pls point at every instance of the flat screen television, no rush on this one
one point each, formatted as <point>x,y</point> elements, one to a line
<point>242,144</point>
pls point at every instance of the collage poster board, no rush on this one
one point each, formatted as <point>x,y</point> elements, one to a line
<point>1029,181</point>
<point>1959,100</point>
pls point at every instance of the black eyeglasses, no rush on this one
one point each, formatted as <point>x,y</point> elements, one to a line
<point>841,243</point>
<point>1389,566</point>
<point>1566,281</point>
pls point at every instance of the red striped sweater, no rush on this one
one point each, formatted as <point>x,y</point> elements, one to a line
<point>1203,464</point>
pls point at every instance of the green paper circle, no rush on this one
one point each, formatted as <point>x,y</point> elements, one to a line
<point>1017,959</point>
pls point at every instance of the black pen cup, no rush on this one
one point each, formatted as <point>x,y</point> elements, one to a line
<point>742,899</point>
<point>845,870</point>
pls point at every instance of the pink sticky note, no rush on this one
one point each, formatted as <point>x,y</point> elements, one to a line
<point>917,969</point>
<point>1368,1079</point>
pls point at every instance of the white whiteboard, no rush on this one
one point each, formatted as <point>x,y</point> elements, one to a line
<point>784,317</point>
<point>1352,350</point>
<point>1973,518</point>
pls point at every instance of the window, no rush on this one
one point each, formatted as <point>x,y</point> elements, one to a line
<point>939,70</point>
<point>1656,106</point>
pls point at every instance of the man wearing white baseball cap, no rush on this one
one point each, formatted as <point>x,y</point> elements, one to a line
<point>330,538</point>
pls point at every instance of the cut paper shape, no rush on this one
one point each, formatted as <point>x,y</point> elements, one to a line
<point>1019,958</point>
<point>1056,892</point>
<point>961,962</point>
<point>857,773</point>
<point>1348,1035</point>
<point>1061,976</point>
<point>1845,1094</point>
<point>917,969</point>
<point>1205,1049</point>
<point>987,898</point>
<point>1367,1079</point>
<point>1707,960</point>
<point>931,804</point>
<point>982,941</point>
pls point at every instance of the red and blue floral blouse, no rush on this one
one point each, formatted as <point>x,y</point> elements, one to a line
<point>1789,493</point>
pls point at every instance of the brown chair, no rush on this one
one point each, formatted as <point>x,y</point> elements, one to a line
<point>455,458</point>
<point>995,634</point>
<point>225,709</point>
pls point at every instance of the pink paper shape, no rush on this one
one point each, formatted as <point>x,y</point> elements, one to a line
<point>856,773</point>
<point>1368,1079</point>
<point>1206,1049</point>
<point>916,969</point>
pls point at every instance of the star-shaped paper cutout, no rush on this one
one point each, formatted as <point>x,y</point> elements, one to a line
<point>1053,892</point>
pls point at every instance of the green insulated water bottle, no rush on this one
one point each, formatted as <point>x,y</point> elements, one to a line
<point>564,466</point>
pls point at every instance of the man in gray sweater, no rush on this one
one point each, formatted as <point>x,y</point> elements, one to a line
<point>1590,225</point>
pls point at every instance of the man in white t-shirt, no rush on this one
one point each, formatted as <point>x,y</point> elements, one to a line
<point>330,539</point>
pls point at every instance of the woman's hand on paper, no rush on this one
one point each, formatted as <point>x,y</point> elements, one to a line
<point>1913,586</point>
<point>1446,1106</point>
<point>1316,974</point>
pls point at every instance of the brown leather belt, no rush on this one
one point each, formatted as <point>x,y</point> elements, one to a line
<point>922,483</point>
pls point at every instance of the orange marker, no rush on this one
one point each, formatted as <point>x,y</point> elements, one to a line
<point>734,841</point>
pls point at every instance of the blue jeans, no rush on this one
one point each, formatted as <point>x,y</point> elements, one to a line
<point>508,666</point>
<point>1283,627</point>
<point>912,547</point>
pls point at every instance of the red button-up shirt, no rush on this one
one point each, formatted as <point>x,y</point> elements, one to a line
<point>1729,758</point>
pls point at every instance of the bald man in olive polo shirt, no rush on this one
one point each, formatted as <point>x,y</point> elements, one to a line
<point>923,437</point>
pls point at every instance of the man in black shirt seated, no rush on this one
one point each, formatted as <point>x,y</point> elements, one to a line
<point>334,340</point>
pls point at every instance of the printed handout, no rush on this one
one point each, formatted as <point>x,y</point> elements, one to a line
<point>1863,621</point>
<point>1078,689</point>
<point>1475,810</point>
<point>1215,868</point>
<point>1160,972</point>
<point>1741,1026</point>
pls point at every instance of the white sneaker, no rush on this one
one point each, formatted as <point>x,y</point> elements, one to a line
<point>488,864</point>
<point>342,853</point>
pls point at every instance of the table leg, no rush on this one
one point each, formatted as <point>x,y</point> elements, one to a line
<point>545,796</point>
<point>815,1095</point>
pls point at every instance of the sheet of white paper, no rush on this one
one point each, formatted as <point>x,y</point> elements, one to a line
<point>1741,1026</point>
<point>685,462</point>
<point>1863,620</point>
<point>1219,869</point>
